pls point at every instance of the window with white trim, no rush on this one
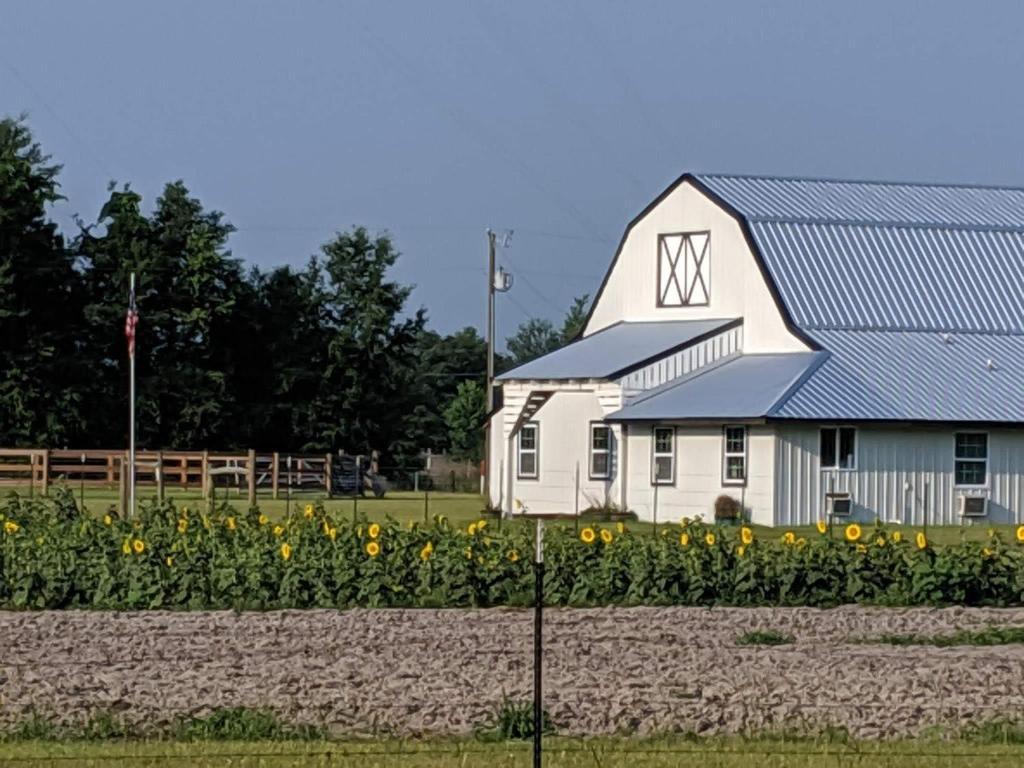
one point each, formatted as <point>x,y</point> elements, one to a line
<point>663,463</point>
<point>970,458</point>
<point>734,455</point>
<point>529,437</point>
<point>600,451</point>
<point>838,448</point>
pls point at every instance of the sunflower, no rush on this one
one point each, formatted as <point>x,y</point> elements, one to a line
<point>332,533</point>
<point>746,536</point>
<point>169,561</point>
<point>126,546</point>
<point>230,523</point>
<point>852,532</point>
<point>986,552</point>
<point>622,528</point>
<point>139,546</point>
<point>11,527</point>
<point>308,512</point>
<point>426,552</point>
<point>801,543</point>
<point>108,520</point>
<point>921,540</point>
<point>468,551</point>
<point>1020,534</point>
<point>472,529</point>
<point>709,539</point>
<point>822,527</point>
<point>587,535</point>
<point>880,541</point>
<point>481,524</point>
<point>740,550</point>
<point>789,538</point>
<point>684,539</point>
<point>513,556</point>
<point>184,511</point>
<point>373,530</point>
<point>862,548</point>
<point>286,551</point>
<point>896,537</point>
<point>278,530</point>
<point>606,536</point>
<point>263,520</point>
<point>182,525</point>
<point>372,548</point>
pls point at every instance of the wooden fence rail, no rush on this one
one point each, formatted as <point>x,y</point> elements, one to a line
<point>39,468</point>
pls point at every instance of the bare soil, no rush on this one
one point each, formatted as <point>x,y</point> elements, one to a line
<point>609,670</point>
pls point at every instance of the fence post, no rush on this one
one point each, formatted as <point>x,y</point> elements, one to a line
<point>160,476</point>
<point>251,477</point>
<point>204,480</point>
<point>31,474</point>
<point>655,509</point>
<point>327,474</point>
<point>275,467</point>
<point>538,652</point>
<point>183,473</point>
<point>81,485</point>
<point>46,471</point>
<point>110,471</point>
<point>576,502</point>
<point>122,480</point>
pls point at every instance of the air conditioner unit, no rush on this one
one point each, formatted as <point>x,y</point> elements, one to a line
<point>973,506</point>
<point>838,504</point>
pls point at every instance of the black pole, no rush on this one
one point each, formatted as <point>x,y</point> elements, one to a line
<point>538,655</point>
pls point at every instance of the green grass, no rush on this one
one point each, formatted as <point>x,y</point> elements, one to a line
<point>763,637</point>
<point>665,752</point>
<point>986,636</point>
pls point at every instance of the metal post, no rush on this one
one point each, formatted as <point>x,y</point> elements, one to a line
<point>576,502</point>
<point>81,485</point>
<point>538,653</point>
<point>925,509</point>
<point>288,489</point>
<point>491,236</point>
<point>131,408</point>
<point>160,476</point>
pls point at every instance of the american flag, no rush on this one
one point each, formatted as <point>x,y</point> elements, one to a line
<point>131,320</point>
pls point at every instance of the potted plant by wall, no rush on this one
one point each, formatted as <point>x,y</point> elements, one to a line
<point>727,509</point>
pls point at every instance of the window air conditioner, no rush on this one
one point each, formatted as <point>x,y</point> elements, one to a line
<point>973,506</point>
<point>838,504</point>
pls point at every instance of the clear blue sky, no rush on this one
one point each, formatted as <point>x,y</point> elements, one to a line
<point>560,120</point>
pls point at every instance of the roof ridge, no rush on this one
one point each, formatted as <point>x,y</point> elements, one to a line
<point>813,329</point>
<point>873,182</point>
<point>884,224</point>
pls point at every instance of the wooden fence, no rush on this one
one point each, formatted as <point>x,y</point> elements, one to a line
<point>39,468</point>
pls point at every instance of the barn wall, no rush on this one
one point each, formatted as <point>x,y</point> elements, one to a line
<point>698,480</point>
<point>902,474</point>
<point>737,286</point>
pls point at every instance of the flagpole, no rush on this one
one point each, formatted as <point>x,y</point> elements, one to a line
<point>131,415</point>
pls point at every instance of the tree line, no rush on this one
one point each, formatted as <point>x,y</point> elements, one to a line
<point>324,357</point>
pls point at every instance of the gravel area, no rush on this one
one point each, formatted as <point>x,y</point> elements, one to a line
<point>436,671</point>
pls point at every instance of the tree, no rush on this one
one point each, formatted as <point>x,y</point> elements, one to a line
<point>537,337</point>
<point>41,369</point>
<point>575,318</point>
<point>464,417</point>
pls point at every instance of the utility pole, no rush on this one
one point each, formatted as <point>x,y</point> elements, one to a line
<point>499,282</point>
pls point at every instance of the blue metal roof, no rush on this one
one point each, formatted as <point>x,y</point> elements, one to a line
<point>913,376</point>
<point>828,200</point>
<point>617,349</point>
<point>740,387</point>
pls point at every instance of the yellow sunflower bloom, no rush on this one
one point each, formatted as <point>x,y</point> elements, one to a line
<point>746,536</point>
<point>263,519</point>
<point>139,546</point>
<point>896,537</point>
<point>513,556</point>
<point>169,561</point>
<point>472,529</point>
<point>1020,534</point>
<point>332,533</point>
<point>684,539</point>
<point>426,551</point>
<point>852,532</point>
<point>740,550</point>
<point>308,512</point>
<point>373,530</point>
<point>108,520</point>
<point>801,543</point>
<point>789,538</point>
<point>468,552</point>
<point>11,527</point>
<point>286,551</point>
<point>606,536</point>
<point>921,540</point>
<point>230,523</point>
<point>126,546</point>
<point>182,525</point>
<point>822,527</point>
<point>709,539</point>
<point>862,548</point>
<point>278,530</point>
<point>880,541</point>
<point>184,511</point>
<point>372,548</point>
<point>986,552</point>
<point>481,524</point>
<point>622,528</point>
<point>587,535</point>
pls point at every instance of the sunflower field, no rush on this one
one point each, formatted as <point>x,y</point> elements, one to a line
<point>53,556</point>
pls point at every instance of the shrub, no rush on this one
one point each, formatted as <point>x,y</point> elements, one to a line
<point>514,721</point>
<point>763,637</point>
<point>727,508</point>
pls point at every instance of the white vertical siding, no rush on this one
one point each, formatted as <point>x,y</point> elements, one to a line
<point>902,474</point>
<point>698,480</point>
<point>683,362</point>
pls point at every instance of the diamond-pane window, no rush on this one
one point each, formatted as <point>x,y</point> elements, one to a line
<point>684,269</point>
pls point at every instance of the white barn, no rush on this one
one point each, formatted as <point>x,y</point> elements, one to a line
<point>805,346</point>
